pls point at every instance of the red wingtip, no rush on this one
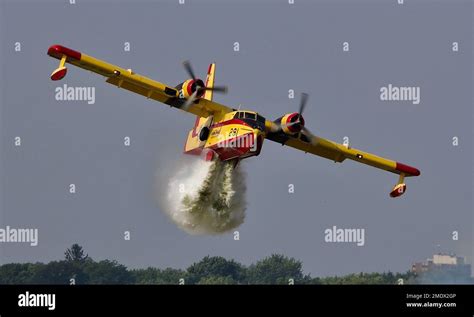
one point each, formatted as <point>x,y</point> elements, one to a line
<point>58,51</point>
<point>408,170</point>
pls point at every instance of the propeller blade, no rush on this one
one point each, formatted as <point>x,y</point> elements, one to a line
<point>281,126</point>
<point>290,124</point>
<point>312,138</point>
<point>222,89</point>
<point>303,101</point>
<point>189,101</point>
<point>189,69</point>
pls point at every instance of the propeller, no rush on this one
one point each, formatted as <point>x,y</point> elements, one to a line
<point>200,87</point>
<point>303,102</point>
<point>310,136</point>
<point>190,100</point>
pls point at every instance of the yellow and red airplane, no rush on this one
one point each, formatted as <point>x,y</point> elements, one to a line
<point>221,131</point>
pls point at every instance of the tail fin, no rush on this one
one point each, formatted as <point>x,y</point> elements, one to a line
<point>210,81</point>
<point>193,145</point>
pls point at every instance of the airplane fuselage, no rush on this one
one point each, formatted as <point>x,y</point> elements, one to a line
<point>237,135</point>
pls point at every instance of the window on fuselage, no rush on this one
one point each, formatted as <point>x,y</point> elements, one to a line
<point>249,115</point>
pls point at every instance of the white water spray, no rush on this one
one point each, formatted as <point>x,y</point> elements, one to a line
<point>205,197</point>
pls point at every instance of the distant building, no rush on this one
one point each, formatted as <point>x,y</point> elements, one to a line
<point>446,259</point>
<point>442,262</point>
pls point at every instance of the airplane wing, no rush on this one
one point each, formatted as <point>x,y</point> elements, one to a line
<point>338,152</point>
<point>127,79</point>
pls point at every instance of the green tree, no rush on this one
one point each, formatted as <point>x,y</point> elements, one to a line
<point>153,275</point>
<point>107,272</point>
<point>444,276</point>
<point>276,269</point>
<point>76,254</point>
<point>55,272</point>
<point>16,273</point>
<point>215,266</point>
<point>217,280</point>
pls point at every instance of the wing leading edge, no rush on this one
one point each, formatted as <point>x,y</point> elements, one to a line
<point>339,152</point>
<point>127,79</point>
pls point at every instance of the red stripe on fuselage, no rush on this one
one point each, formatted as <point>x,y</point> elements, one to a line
<point>242,148</point>
<point>231,121</point>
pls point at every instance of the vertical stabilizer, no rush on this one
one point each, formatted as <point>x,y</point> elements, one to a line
<point>193,145</point>
<point>210,81</point>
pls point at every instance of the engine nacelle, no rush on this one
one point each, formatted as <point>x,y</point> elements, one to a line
<point>291,123</point>
<point>187,88</point>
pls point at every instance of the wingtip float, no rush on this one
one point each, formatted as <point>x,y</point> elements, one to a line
<point>225,132</point>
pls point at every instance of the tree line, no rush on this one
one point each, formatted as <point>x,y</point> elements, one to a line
<point>78,268</point>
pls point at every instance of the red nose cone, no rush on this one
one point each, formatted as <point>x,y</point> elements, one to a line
<point>302,121</point>
<point>200,84</point>
<point>59,73</point>
<point>295,117</point>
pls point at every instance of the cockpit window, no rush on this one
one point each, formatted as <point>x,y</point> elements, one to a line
<point>251,119</point>
<point>249,115</point>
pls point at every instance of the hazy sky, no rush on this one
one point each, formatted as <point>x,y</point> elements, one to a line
<point>282,47</point>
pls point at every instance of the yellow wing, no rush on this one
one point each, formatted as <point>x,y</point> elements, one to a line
<point>339,152</point>
<point>127,79</point>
